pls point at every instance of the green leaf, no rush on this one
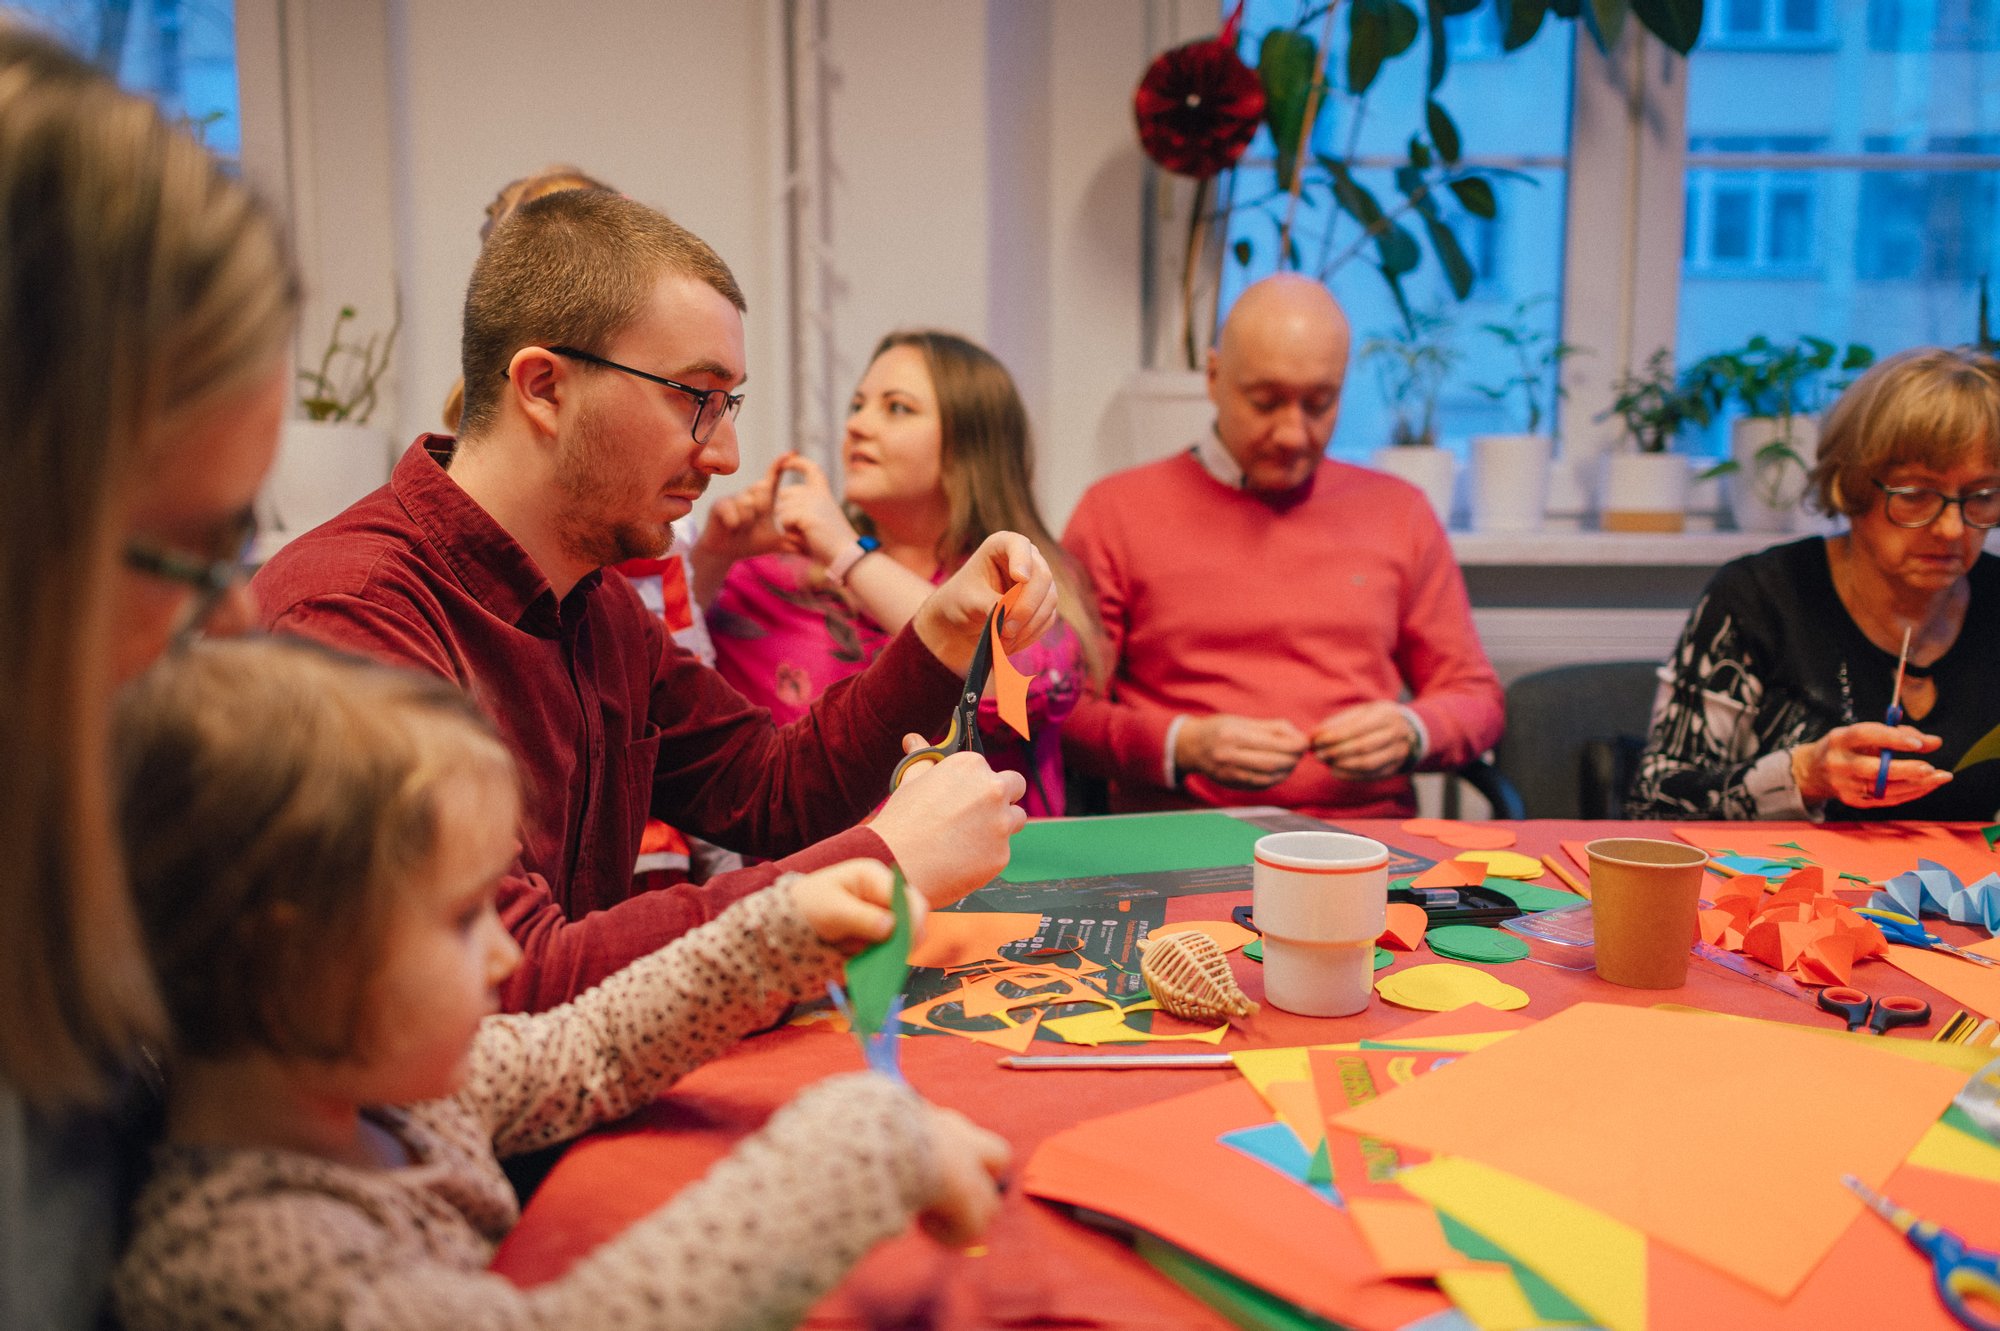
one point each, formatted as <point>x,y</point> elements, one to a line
<point>1420,154</point>
<point>1354,198</point>
<point>1520,20</point>
<point>1243,252</point>
<point>1439,44</point>
<point>1675,22</point>
<point>1285,65</point>
<point>1457,268</point>
<point>1606,21</point>
<point>1456,7</point>
<point>1475,196</point>
<point>1444,133</point>
<point>1727,467</point>
<point>1399,250</point>
<point>1569,9</point>
<point>1377,30</point>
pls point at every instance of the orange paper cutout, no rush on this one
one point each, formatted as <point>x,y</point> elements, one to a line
<point>1228,934</point>
<point>1407,923</point>
<point>1799,928</point>
<point>1451,873</point>
<point>1010,686</point>
<point>961,937</point>
<point>1621,1143</point>
<point>1875,850</point>
<point>1477,836</point>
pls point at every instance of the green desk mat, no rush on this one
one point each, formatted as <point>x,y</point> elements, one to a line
<point>1140,843</point>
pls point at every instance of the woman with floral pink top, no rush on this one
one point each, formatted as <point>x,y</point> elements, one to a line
<point>801,589</point>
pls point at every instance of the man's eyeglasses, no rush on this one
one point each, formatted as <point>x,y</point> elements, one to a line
<point>1918,506</point>
<point>711,404</point>
<point>211,579</point>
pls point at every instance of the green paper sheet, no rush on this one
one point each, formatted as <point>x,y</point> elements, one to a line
<point>1320,1168</point>
<point>1254,949</point>
<point>1986,750</point>
<point>1384,958</point>
<point>1241,1303</point>
<point>1532,897</point>
<point>1472,942</point>
<point>875,975</point>
<point>1144,843</point>
<point>1992,835</point>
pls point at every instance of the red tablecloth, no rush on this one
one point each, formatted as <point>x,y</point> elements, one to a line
<point>1036,1266</point>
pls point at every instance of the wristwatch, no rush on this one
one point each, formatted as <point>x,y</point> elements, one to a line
<point>844,562</point>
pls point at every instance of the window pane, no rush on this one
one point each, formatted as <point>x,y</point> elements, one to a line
<point>1889,255</point>
<point>182,52</point>
<point>1513,113</point>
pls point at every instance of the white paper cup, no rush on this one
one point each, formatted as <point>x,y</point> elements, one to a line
<point>1321,900</point>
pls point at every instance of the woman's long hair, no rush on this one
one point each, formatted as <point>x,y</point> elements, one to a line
<point>140,284</point>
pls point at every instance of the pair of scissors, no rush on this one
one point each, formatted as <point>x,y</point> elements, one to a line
<point>1962,1274</point>
<point>1898,928</point>
<point>1894,717</point>
<point>963,733</point>
<point>1887,1013</point>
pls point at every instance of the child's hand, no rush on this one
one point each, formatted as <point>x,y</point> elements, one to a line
<point>970,1161</point>
<point>847,904</point>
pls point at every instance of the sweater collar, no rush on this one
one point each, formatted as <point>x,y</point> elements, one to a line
<point>1217,462</point>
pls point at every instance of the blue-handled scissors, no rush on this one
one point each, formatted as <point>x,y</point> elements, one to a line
<point>1902,929</point>
<point>963,734</point>
<point>1962,1274</point>
<point>1894,717</point>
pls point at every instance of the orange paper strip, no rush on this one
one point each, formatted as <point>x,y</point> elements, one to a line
<point>1010,686</point>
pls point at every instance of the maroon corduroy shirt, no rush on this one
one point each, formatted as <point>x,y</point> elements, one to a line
<point>608,720</point>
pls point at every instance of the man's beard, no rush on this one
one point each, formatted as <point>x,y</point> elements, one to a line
<point>593,491</point>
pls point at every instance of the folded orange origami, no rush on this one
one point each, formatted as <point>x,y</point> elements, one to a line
<point>1800,928</point>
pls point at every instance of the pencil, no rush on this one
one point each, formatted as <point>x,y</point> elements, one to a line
<point>1048,1062</point>
<point>1575,885</point>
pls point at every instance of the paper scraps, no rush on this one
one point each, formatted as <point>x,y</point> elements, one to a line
<point>1407,922</point>
<point>1932,889</point>
<point>1010,686</point>
<point>1505,863</point>
<point>1472,942</point>
<point>1109,1026</point>
<point>1442,986</point>
<point>1800,929</point>
<point>1464,836</point>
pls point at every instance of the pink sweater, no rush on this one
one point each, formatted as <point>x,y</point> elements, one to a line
<point>1216,600</point>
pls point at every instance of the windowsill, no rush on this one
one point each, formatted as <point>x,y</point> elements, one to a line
<point>1592,549</point>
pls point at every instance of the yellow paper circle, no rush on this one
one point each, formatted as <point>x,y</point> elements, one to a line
<point>1442,986</point>
<point>1505,863</point>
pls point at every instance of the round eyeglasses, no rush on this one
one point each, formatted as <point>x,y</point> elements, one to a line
<point>710,404</point>
<point>1920,506</point>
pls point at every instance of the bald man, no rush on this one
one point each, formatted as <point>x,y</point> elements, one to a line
<point>1284,629</point>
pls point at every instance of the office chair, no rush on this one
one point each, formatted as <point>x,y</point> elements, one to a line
<point>1574,737</point>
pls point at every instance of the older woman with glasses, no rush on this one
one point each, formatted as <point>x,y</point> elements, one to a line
<point>1775,703</point>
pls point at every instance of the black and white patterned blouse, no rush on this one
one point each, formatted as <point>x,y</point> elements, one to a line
<point>1770,659</point>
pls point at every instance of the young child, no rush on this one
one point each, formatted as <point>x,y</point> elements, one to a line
<point>314,844</point>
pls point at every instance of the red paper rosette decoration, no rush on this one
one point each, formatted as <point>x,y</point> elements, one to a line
<point>1199,105</point>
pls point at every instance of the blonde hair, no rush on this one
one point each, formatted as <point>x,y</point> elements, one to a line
<point>277,798</point>
<point>987,458</point>
<point>1938,407</point>
<point>140,285</point>
<point>549,180</point>
<point>574,268</point>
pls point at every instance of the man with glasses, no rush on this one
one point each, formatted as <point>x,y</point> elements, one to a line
<point>604,363</point>
<point>1776,703</point>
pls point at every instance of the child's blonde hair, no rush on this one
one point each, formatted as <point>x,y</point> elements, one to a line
<point>276,798</point>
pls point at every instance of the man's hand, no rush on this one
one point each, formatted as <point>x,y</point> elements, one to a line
<point>951,618</point>
<point>1364,742</point>
<point>848,904</point>
<point>948,824</point>
<point>1843,763</point>
<point>969,1161</point>
<point>1244,752</point>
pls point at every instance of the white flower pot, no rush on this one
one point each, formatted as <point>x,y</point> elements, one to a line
<point>1764,496</point>
<point>1644,492</point>
<point>1432,470</point>
<point>1510,481</point>
<point>322,467</point>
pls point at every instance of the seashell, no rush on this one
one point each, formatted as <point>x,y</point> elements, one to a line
<point>1190,977</point>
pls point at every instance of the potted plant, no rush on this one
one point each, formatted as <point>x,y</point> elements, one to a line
<point>1411,362</point>
<point>1646,490</point>
<point>1777,385</point>
<point>332,456</point>
<point>1511,471</point>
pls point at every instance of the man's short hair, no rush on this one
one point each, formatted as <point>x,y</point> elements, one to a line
<point>574,269</point>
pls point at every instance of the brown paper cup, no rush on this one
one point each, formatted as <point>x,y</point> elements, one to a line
<point>1644,897</point>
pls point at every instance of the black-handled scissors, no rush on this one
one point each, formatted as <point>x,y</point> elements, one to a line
<point>1877,1014</point>
<point>963,733</point>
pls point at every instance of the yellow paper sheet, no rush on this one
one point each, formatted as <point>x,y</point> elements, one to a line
<point>1490,1298</point>
<point>1632,1080</point>
<point>1971,986</point>
<point>1405,1238</point>
<point>1444,986</point>
<point>1596,1262</point>
<point>1261,1067</point>
<point>1949,1151</point>
<point>1505,863</point>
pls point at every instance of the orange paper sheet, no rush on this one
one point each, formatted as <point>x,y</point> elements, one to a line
<point>1407,923</point>
<point>1451,873</point>
<point>1972,986</point>
<point>961,937</point>
<point>1465,836</point>
<point>1876,851</point>
<point>1010,686</point>
<point>1636,1085</point>
<point>1228,934</point>
<point>1404,1236</point>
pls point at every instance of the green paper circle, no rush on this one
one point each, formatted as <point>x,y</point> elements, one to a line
<point>1254,949</point>
<point>1383,957</point>
<point>1472,942</point>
